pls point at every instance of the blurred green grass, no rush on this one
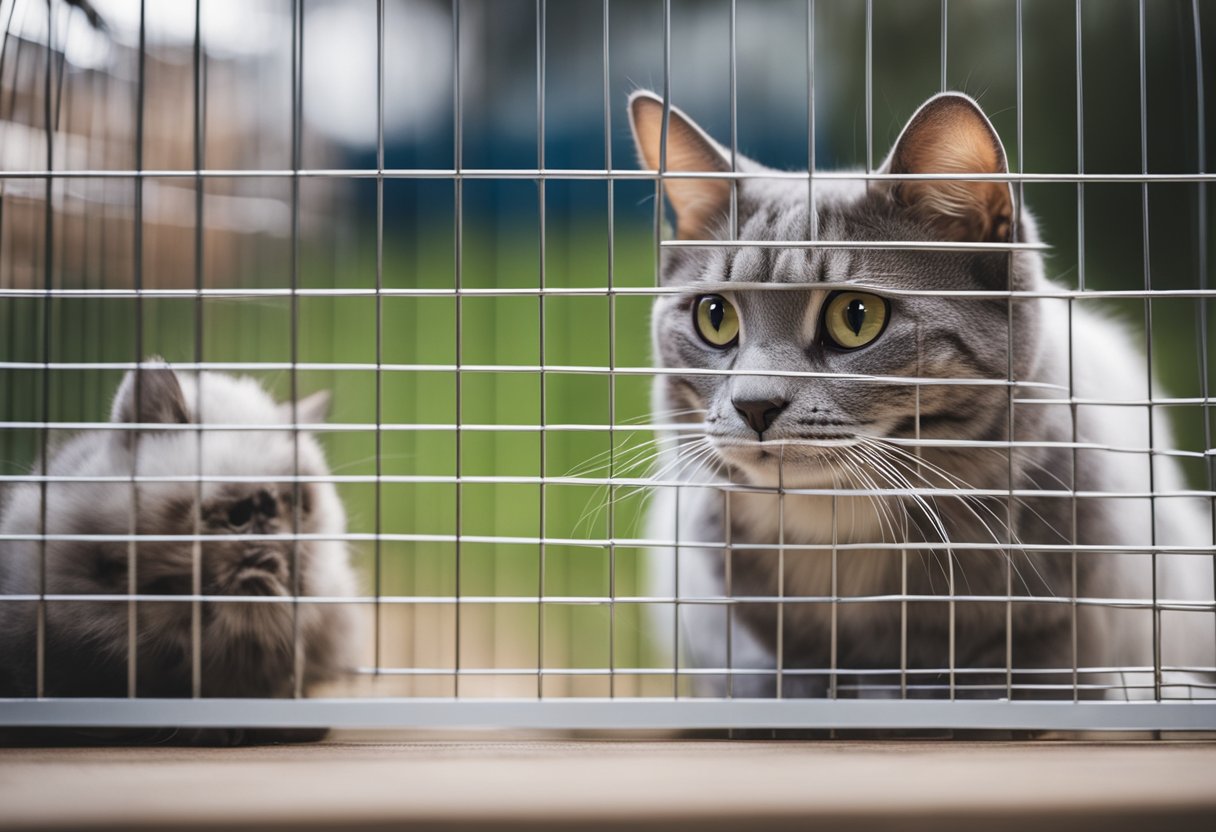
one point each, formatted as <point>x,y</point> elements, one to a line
<point>500,331</point>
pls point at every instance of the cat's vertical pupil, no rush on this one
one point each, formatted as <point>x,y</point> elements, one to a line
<point>855,315</point>
<point>717,313</point>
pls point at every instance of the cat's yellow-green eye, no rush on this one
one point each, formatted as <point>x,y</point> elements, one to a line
<point>716,320</point>
<point>854,319</point>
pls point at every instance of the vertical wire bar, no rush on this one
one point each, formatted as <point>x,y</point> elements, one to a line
<point>781,576</point>
<point>47,321</point>
<point>540,299</point>
<point>728,554</point>
<point>101,95</point>
<point>729,589</point>
<point>734,127</point>
<point>869,86</point>
<point>943,86</point>
<point>611,359</point>
<point>297,116</point>
<point>196,547</point>
<point>903,553</point>
<point>658,266</point>
<point>834,633</point>
<point>10,410</point>
<point>950,556</point>
<point>1015,229</point>
<point>1072,403</point>
<point>378,509</point>
<point>811,208</point>
<point>55,128</point>
<point>132,548</point>
<point>6,438</point>
<point>951,624</point>
<point>1148,340</point>
<point>458,202</point>
<point>1202,305</point>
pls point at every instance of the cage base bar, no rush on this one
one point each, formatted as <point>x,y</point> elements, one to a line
<point>615,714</point>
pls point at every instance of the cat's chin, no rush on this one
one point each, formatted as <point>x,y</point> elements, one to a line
<point>801,463</point>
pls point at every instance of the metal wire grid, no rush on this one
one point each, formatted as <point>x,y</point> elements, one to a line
<point>616,711</point>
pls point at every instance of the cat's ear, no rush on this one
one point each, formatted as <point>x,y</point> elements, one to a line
<point>310,410</point>
<point>698,203</point>
<point>951,134</point>
<point>151,394</point>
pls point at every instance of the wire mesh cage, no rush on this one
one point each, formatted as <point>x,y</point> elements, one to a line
<point>355,374</point>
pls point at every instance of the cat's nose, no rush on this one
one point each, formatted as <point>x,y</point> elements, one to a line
<point>759,413</point>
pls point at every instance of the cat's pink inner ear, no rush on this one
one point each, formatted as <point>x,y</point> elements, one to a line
<point>950,134</point>
<point>698,203</point>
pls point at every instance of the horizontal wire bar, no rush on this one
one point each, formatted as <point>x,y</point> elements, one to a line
<point>624,482</point>
<point>592,600</point>
<point>613,713</point>
<point>768,671</point>
<point>694,428</point>
<point>597,291</point>
<point>619,542</point>
<point>342,427</point>
<point>1163,401</point>
<point>884,245</point>
<point>600,174</point>
<point>571,369</point>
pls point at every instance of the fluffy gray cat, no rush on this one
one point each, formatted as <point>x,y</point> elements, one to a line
<point>247,647</point>
<point>848,325</point>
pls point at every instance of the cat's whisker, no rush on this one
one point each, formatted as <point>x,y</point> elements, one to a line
<point>692,453</point>
<point>354,463</point>
<point>874,453</point>
<point>834,454</point>
<point>880,502</point>
<point>611,456</point>
<point>632,464</point>
<point>931,515</point>
<point>886,505</point>
<point>680,457</point>
<point>928,505</point>
<point>598,504</point>
<point>897,474</point>
<point>909,464</point>
<point>1047,523</point>
<point>909,460</point>
<point>966,501</point>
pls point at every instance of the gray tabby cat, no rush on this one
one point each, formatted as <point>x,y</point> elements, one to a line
<point>247,647</point>
<point>825,410</point>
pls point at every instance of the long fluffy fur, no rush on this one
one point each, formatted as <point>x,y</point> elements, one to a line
<point>247,647</point>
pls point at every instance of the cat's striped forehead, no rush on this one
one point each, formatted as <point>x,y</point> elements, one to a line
<point>754,264</point>
<point>775,211</point>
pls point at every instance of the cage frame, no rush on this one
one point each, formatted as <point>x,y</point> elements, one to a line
<point>610,712</point>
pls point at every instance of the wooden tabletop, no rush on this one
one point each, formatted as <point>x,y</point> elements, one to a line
<point>551,784</point>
